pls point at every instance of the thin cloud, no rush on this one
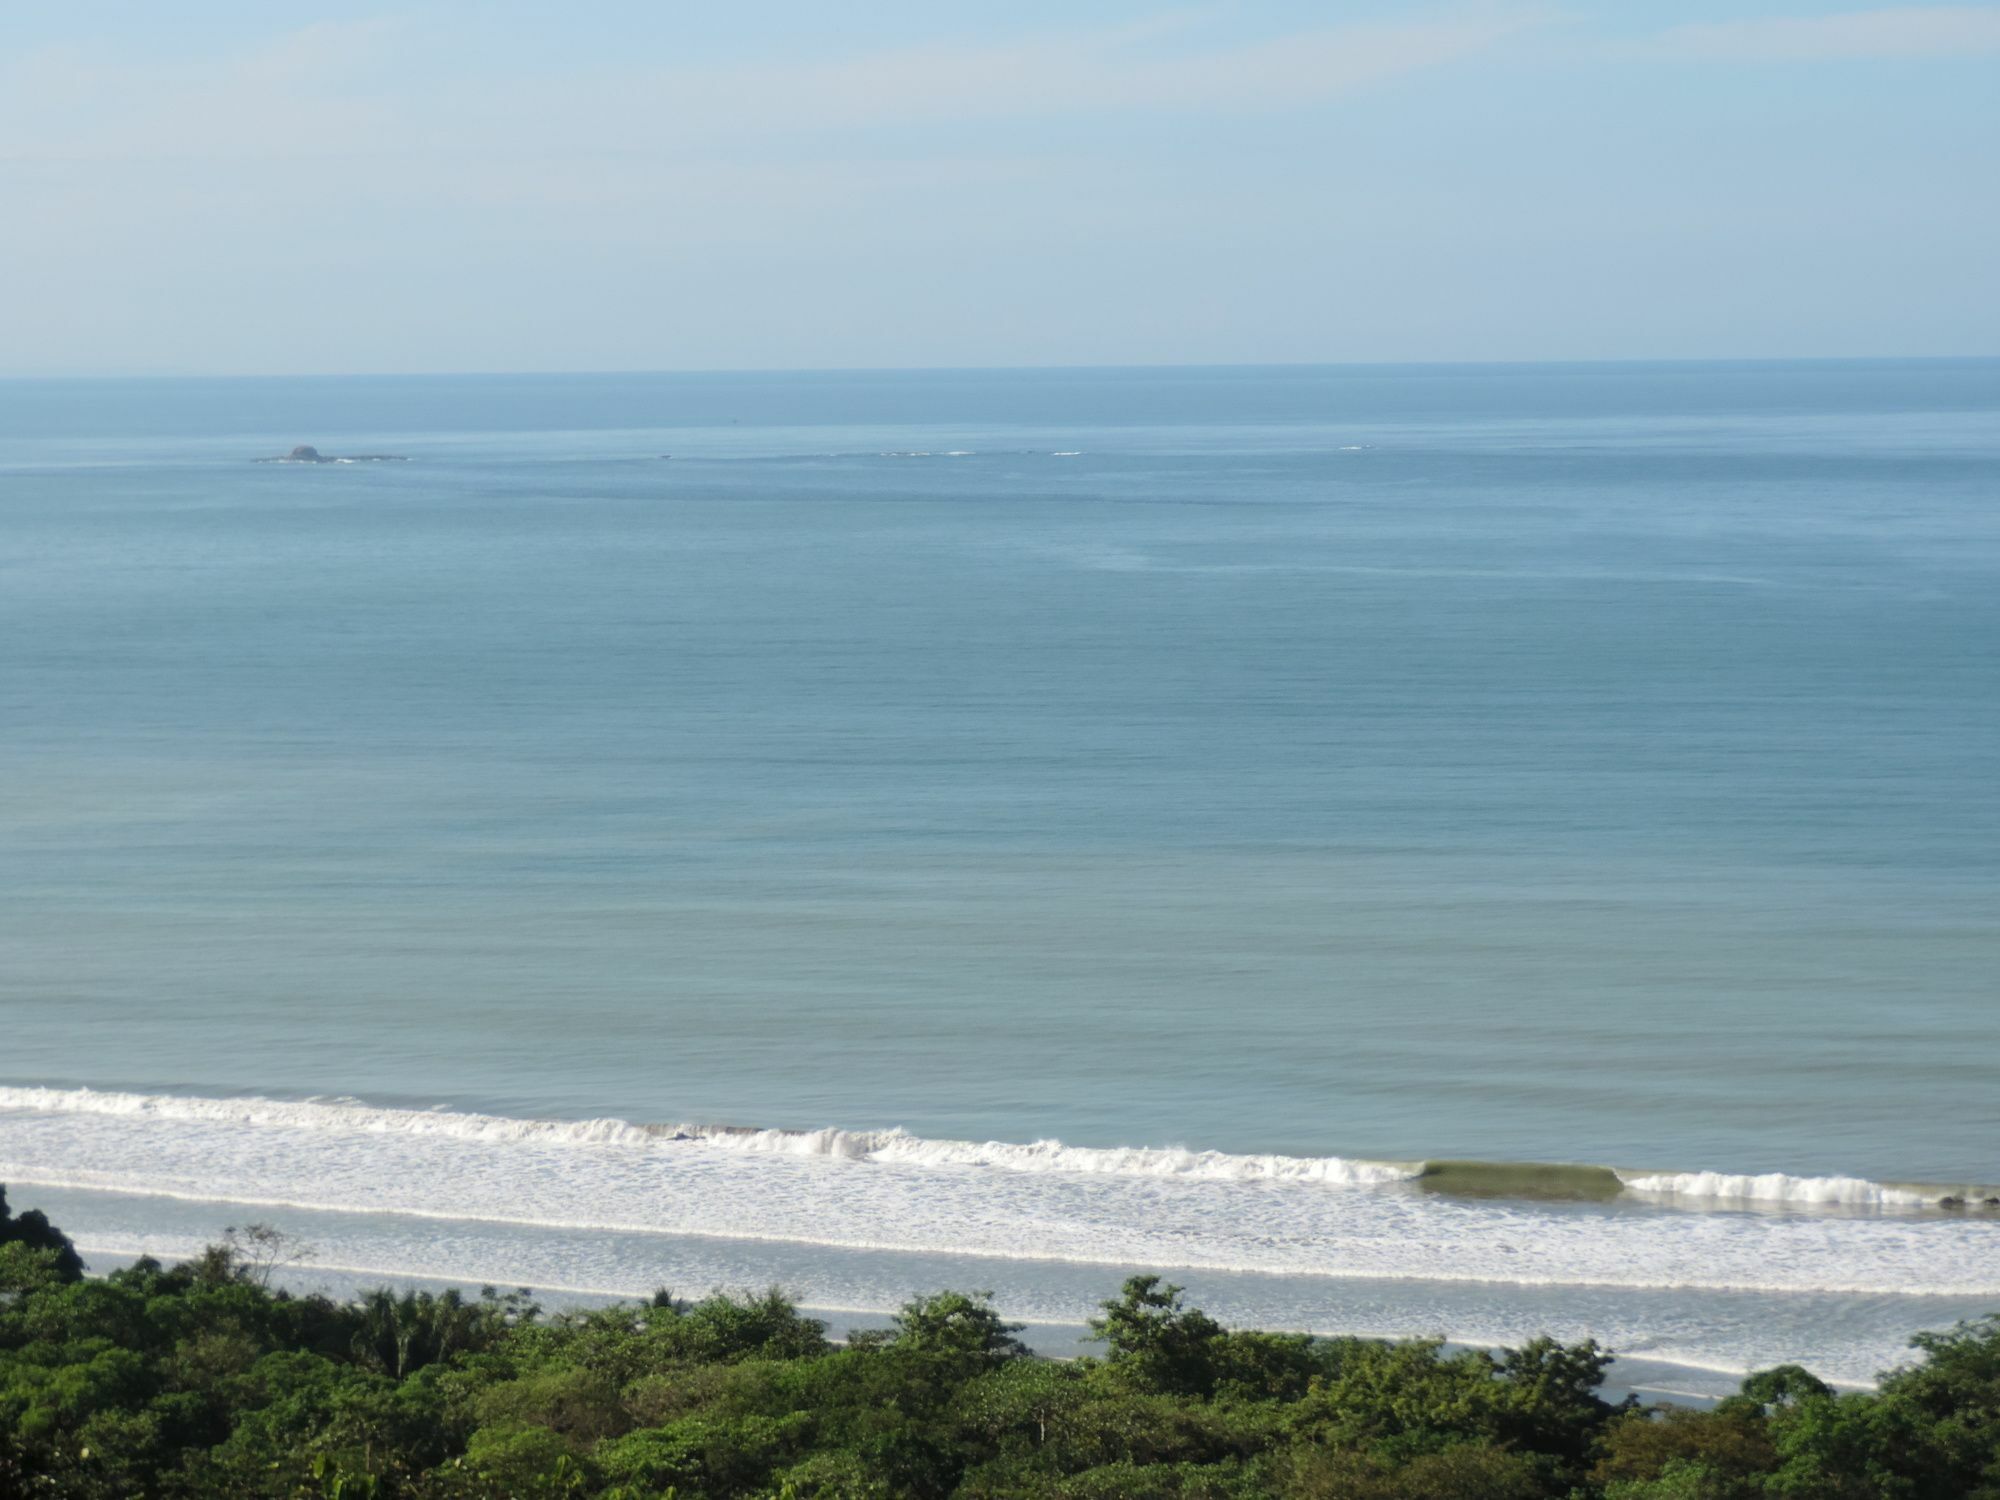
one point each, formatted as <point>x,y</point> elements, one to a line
<point>290,95</point>
<point>339,90</point>
<point>1934,31</point>
<point>1093,73</point>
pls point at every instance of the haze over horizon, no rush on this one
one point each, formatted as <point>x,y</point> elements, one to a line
<point>315,189</point>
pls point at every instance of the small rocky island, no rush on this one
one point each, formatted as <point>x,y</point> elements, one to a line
<point>305,453</point>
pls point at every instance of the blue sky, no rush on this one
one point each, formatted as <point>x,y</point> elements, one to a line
<point>221,186</point>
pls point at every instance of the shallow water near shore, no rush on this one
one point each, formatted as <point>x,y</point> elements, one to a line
<point>1345,768</point>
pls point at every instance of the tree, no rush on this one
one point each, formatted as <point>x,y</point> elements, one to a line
<point>1715,1455</point>
<point>958,1329</point>
<point>1158,1342</point>
<point>33,1231</point>
<point>401,1335</point>
<point>1779,1387</point>
<point>1554,1406</point>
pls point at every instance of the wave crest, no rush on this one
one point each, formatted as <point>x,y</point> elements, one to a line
<point>1780,1187</point>
<point>1053,1156</point>
<point>900,1148</point>
<point>887,1146</point>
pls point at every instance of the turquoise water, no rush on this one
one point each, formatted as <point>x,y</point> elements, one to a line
<point>1585,763</point>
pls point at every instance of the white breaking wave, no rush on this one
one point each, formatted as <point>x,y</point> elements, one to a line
<point>318,1114</point>
<point>900,1147</point>
<point>843,1145</point>
<point>1054,1156</point>
<point>1778,1187</point>
<point>889,1191</point>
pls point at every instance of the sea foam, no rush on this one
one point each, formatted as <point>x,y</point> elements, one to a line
<point>895,1145</point>
<point>1780,1187</point>
<point>887,1191</point>
<point>901,1147</point>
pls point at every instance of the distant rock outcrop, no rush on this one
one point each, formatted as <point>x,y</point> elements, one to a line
<point>306,453</point>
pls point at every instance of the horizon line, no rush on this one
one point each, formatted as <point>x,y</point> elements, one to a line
<point>969,369</point>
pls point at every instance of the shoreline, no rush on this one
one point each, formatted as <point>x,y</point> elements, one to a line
<point>1678,1382</point>
<point>1846,1338</point>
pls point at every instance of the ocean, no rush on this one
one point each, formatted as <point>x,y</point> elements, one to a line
<point>1062,823</point>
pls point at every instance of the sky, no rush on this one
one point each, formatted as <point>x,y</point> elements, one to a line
<point>259,186</point>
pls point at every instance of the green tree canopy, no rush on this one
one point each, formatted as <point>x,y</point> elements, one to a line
<point>32,1231</point>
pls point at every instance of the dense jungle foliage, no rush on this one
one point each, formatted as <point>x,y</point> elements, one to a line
<point>202,1381</point>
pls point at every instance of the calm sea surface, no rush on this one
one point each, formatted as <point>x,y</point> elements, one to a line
<point>1585,763</point>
